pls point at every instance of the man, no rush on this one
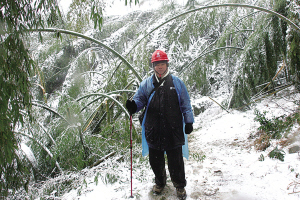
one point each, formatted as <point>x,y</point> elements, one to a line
<point>168,114</point>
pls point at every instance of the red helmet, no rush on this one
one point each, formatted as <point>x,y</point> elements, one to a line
<point>159,55</point>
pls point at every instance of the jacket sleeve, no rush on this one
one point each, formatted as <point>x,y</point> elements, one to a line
<point>141,95</point>
<point>184,101</point>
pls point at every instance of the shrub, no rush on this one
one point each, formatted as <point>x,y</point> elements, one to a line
<point>261,157</point>
<point>277,153</point>
<point>276,126</point>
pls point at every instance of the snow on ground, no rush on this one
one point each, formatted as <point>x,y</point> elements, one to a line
<point>222,163</point>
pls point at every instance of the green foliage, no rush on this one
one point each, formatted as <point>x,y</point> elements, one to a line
<point>83,132</point>
<point>198,157</point>
<point>271,62</point>
<point>266,47</point>
<point>16,71</point>
<point>16,67</point>
<point>76,87</point>
<point>280,28</point>
<point>293,43</point>
<point>73,148</point>
<point>55,76</point>
<point>261,157</point>
<point>241,94</point>
<point>259,65</point>
<point>198,79</point>
<point>69,150</point>
<point>276,126</point>
<point>130,2</point>
<point>294,54</point>
<point>277,154</point>
<point>109,178</point>
<point>14,97</point>
<point>83,13</point>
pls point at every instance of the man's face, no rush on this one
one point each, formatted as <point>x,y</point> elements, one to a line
<point>160,68</point>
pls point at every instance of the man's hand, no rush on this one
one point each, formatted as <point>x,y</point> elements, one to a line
<point>188,128</point>
<point>131,106</point>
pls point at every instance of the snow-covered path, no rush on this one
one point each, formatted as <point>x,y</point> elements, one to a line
<point>222,165</point>
<point>231,169</point>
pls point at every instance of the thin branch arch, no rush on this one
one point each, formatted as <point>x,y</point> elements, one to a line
<point>54,30</point>
<point>203,54</point>
<point>208,7</point>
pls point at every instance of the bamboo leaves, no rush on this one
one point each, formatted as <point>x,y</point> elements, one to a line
<point>97,42</point>
<point>109,96</point>
<point>96,15</point>
<point>51,110</point>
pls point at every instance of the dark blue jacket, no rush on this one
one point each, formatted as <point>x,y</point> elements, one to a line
<point>142,99</point>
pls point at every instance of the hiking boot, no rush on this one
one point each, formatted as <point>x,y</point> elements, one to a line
<point>157,189</point>
<point>181,193</point>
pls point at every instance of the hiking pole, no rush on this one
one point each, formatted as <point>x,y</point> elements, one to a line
<point>131,153</point>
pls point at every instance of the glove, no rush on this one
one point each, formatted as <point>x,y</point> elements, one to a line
<point>131,106</point>
<point>188,128</point>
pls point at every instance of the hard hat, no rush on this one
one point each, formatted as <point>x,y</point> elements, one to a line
<point>159,55</point>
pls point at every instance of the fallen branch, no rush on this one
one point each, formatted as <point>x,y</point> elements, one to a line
<point>219,104</point>
<point>294,184</point>
<point>103,159</point>
<point>283,66</point>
